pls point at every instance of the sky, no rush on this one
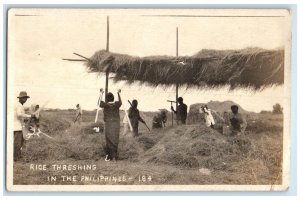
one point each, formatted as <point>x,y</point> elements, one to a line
<point>37,44</point>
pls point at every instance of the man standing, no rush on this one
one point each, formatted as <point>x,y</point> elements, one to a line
<point>238,122</point>
<point>78,114</point>
<point>19,124</point>
<point>134,116</point>
<point>181,113</point>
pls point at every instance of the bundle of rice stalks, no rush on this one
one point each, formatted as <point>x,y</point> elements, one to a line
<point>129,149</point>
<point>64,145</point>
<point>147,142</point>
<point>180,160</point>
<point>197,146</point>
<point>252,67</point>
<point>243,144</point>
<point>53,124</point>
<point>268,148</point>
<point>42,148</point>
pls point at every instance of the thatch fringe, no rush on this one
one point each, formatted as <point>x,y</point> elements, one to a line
<point>252,67</point>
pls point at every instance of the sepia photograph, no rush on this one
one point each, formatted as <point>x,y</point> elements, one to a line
<point>148,99</point>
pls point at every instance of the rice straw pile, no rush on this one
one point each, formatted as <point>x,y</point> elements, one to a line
<point>252,67</point>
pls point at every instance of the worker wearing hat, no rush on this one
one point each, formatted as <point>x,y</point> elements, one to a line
<point>19,125</point>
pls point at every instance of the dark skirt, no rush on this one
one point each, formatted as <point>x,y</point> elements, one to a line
<point>112,133</point>
<point>18,143</point>
<point>135,127</point>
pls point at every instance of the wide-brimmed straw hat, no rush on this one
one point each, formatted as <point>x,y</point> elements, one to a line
<point>23,94</point>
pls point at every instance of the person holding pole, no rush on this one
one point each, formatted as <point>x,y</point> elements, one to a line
<point>181,112</point>
<point>126,122</point>
<point>111,113</point>
<point>172,111</point>
<point>134,116</point>
<point>98,104</point>
<point>125,126</point>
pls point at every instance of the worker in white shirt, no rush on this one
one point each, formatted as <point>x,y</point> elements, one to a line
<point>126,128</point>
<point>209,119</point>
<point>19,124</point>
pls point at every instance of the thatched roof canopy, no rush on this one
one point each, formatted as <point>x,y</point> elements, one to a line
<point>253,67</point>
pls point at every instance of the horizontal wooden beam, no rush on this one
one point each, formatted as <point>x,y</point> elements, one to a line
<point>81,60</point>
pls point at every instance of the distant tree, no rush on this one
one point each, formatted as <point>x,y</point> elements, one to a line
<point>277,109</point>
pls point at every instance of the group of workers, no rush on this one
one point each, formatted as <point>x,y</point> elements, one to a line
<point>111,115</point>
<point>233,123</point>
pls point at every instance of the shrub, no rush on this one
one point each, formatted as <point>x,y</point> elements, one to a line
<point>277,109</point>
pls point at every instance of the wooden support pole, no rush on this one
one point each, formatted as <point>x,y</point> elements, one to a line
<point>177,85</point>
<point>176,41</point>
<point>107,49</point>
<point>77,54</point>
<point>107,34</point>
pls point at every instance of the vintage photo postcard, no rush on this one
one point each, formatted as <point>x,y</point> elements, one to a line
<point>148,99</point>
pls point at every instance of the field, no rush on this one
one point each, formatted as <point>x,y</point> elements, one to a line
<point>190,154</point>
